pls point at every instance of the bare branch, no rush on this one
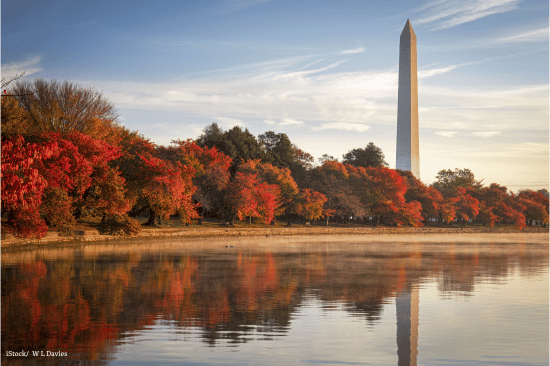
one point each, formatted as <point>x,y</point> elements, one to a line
<point>16,77</point>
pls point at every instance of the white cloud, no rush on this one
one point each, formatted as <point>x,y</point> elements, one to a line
<point>446,133</point>
<point>227,122</point>
<point>355,50</point>
<point>299,75</point>
<point>485,134</point>
<point>435,71</point>
<point>290,121</point>
<point>28,67</point>
<point>517,108</point>
<point>334,100</point>
<point>359,127</point>
<point>444,14</point>
<point>532,35</point>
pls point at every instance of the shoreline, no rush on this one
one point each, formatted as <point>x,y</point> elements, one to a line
<point>53,238</point>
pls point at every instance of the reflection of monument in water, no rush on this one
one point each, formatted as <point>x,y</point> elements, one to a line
<point>406,304</point>
<point>407,154</point>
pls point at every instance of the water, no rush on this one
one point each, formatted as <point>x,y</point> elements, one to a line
<point>289,301</point>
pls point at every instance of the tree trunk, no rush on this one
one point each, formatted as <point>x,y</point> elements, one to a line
<point>151,220</point>
<point>138,212</point>
<point>326,221</point>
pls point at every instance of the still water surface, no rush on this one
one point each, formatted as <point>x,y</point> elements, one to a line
<point>291,301</point>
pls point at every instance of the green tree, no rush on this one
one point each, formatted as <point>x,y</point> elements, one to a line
<point>448,180</point>
<point>239,145</point>
<point>370,156</point>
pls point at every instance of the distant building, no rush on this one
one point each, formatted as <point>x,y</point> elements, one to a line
<point>407,157</point>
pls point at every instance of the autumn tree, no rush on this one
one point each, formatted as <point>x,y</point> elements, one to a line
<point>80,180</point>
<point>14,118</point>
<point>64,175</point>
<point>211,173</point>
<point>23,185</point>
<point>309,204</point>
<point>382,191</point>
<point>497,205</point>
<point>467,206</point>
<point>280,177</point>
<point>536,206</point>
<point>332,180</point>
<point>247,196</point>
<point>168,188</point>
<point>431,201</point>
<point>52,106</point>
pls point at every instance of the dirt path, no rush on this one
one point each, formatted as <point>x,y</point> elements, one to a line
<point>223,232</point>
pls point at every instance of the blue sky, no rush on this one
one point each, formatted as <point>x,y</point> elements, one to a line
<point>325,73</point>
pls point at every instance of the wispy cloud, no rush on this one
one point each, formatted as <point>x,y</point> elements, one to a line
<point>446,133</point>
<point>290,121</point>
<point>435,71</point>
<point>444,14</point>
<point>299,75</point>
<point>330,100</point>
<point>532,35</point>
<point>359,127</point>
<point>28,67</point>
<point>351,52</point>
<point>485,134</point>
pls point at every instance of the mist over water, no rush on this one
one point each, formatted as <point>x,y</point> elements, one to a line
<point>301,300</point>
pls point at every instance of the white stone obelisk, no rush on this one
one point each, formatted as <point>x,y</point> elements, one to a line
<point>407,157</point>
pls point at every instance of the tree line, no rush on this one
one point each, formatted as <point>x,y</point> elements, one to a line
<point>65,156</point>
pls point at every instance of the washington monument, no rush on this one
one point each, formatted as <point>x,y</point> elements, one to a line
<point>407,105</point>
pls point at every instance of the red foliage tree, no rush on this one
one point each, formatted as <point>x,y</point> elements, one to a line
<point>467,206</point>
<point>23,184</point>
<point>81,180</point>
<point>536,206</point>
<point>499,206</point>
<point>383,192</point>
<point>168,188</point>
<point>211,172</point>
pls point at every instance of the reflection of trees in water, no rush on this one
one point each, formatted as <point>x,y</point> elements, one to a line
<point>82,303</point>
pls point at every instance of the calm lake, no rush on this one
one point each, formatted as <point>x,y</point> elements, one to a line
<point>370,300</point>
